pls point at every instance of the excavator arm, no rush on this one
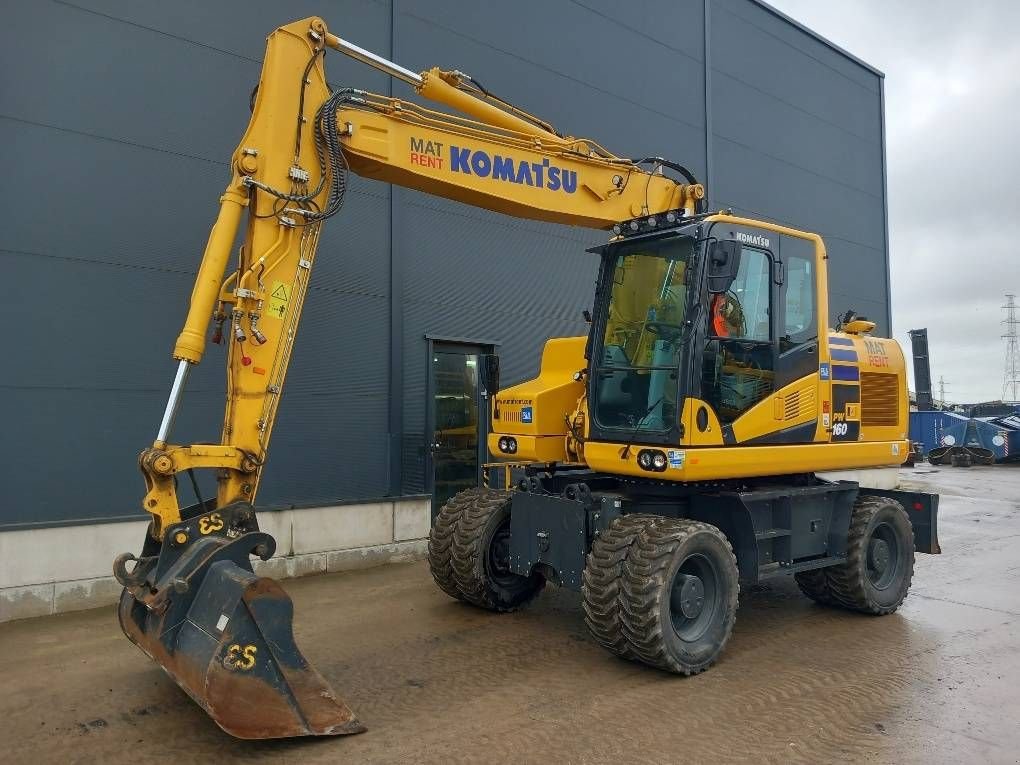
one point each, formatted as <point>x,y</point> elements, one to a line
<point>289,170</point>
<point>191,600</point>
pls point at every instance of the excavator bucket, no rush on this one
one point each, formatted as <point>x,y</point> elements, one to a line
<point>225,635</point>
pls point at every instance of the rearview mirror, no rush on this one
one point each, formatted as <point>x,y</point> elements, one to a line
<point>490,373</point>
<point>723,264</point>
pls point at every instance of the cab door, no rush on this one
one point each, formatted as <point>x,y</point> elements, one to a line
<point>738,366</point>
<point>797,320</point>
<point>801,394</point>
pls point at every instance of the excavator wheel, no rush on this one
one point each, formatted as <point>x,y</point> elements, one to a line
<point>441,542</point>
<point>815,584</point>
<point>678,594</point>
<point>879,561</point>
<point>469,552</point>
<point>600,587</point>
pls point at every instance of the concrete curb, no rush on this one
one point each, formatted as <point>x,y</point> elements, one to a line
<point>62,597</point>
<point>54,570</point>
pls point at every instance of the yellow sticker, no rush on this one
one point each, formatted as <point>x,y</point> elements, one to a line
<point>853,411</point>
<point>279,296</point>
<point>207,524</point>
<point>240,658</point>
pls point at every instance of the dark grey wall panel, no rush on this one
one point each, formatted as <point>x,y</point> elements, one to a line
<point>777,190</point>
<point>504,280</point>
<point>73,456</point>
<point>676,26</point>
<point>797,138</point>
<point>756,46</point>
<point>121,133</point>
<point>584,72</point>
<point>240,28</point>
<point>767,125</point>
<point>111,192</point>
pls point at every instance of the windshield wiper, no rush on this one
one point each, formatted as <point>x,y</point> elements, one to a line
<point>625,452</point>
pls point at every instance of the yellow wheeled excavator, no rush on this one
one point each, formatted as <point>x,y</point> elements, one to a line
<point>653,464</point>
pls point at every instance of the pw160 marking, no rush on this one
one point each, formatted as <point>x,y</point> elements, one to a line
<point>542,175</point>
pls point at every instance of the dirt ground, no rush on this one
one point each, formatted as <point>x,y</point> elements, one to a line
<point>437,681</point>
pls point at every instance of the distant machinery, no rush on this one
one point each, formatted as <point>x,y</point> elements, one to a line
<point>922,369</point>
<point>978,434</point>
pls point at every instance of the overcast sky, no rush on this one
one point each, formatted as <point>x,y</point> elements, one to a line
<point>952,105</point>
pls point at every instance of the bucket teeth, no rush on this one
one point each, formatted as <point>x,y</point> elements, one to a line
<point>226,637</point>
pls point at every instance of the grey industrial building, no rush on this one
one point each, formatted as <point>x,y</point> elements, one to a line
<point>119,117</point>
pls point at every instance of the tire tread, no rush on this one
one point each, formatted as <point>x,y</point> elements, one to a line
<point>457,547</point>
<point>601,580</point>
<point>644,587</point>
<point>847,580</point>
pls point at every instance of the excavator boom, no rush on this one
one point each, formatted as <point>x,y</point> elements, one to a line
<point>192,601</point>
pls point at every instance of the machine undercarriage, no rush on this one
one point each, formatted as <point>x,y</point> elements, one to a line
<point>659,565</point>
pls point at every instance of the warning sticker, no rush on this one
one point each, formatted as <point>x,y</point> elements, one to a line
<point>279,296</point>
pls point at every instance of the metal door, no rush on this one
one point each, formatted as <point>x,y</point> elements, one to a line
<point>458,419</point>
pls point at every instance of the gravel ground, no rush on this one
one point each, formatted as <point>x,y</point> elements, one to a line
<point>436,681</point>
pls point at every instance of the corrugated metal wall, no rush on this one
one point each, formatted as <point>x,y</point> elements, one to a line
<point>117,118</point>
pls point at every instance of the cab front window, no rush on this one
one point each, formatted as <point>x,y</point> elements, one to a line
<point>636,385</point>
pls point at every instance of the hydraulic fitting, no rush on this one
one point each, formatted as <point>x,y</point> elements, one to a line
<point>238,331</point>
<point>257,336</point>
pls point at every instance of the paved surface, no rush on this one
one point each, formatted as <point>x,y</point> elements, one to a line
<point>440,682</point>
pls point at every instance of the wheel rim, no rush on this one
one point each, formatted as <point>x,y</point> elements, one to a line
<point>497,557</point>
<point>883,560</point>
<point>694,597</point>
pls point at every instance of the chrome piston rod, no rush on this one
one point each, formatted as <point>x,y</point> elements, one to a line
<point>172,404</point>
<point>373,60</point>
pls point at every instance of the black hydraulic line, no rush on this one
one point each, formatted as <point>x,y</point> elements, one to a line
<point>194,485</point>
<point>687,174</point>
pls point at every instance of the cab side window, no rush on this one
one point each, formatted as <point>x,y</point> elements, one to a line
<point>742,313</point>
<point>798,324</point>
<point>737,370</point>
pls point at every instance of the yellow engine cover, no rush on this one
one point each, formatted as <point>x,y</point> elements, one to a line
<point>535,411</point>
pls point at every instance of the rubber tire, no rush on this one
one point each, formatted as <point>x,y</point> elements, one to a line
<point>646,581</point>
<point>475,516</point>
<point>815,584</point>
<point>600,583</point>
<point>440,552</point>
<point>849,582</point>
